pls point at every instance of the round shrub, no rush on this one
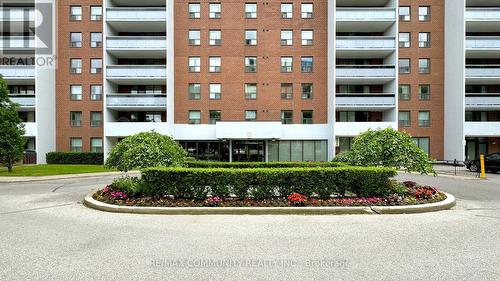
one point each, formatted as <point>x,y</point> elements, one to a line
<point>143,150</point>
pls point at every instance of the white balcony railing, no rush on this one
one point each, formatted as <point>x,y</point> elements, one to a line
<point>17,71</point>
<point>365,42</point>
<point>355,128</point>
<point>136,100</point>
<point>482,71</point>
<point>136,42</point>
<point>123,129</point>
<point>482,42</point>
<point>361,71</point>
<point>484,101</point>
<point>136,14</point>
<point>30,129</point>
<point>17,14</point>
<point>482,129</point>
<point>366,14</point>
<point>136,71</point>
<point>482,14</point>
<point>17,42</point>
<point>23,100</point>
<point>365,100</point>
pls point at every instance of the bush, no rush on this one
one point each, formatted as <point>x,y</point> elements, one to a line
<point>209,164</point>
<point>387,148</point>
<point>262,183</point>
<point>130,185</point>
<point>92,158</point>
<point>145,150</point>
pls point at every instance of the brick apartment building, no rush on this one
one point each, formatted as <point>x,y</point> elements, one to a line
<point>249,80</point>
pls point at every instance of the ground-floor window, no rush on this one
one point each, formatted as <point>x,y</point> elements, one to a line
<point>344,144</point>
<point>475,147</point>
<point>207,150</point>
<point>298,150</point>
<point>423,143</point>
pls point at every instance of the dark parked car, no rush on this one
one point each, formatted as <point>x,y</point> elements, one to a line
<point>491,163</point>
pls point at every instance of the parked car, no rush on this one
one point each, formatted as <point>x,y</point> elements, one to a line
<point>491,163</point>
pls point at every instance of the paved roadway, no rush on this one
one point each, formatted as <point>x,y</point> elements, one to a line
<point>46,234</point>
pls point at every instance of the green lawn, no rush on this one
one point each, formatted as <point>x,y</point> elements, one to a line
<point>51,169</point>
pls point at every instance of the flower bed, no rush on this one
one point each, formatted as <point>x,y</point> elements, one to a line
<point>406,193</point>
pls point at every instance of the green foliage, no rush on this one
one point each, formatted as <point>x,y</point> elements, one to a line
<point>240,165</point>
<point>130,185</point>
<point>387,148</point>
<point>11,130</point>
<point>92,158</point>
<point>262,183</point>
<point>143,150</point>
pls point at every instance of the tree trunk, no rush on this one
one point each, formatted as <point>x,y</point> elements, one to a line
<point>9,167</point>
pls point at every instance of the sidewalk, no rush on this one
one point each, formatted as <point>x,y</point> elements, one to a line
<point>67,176</point>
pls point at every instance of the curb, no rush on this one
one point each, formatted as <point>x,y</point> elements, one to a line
<point>98,205</point>
<point>60,177</point>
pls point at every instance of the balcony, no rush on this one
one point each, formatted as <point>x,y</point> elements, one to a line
<point>30,129</point>
<point>482,19</point>
<point>482,46</point>
<point>17,43</point>
<point>130,46</point>
<point>482,129</point>
<point>365,74</point>
<point>366,19</point>
<point>24,101</point>
<point>482,74</point>
<point>124,129</point>
<point>364,46</point>
<point>365,101</point>
<point>351,129</point>
<point>136,101</point>
<point>18,74</point>
<point>482,101</point>
<point>137,19</point>
<point>133,74</point>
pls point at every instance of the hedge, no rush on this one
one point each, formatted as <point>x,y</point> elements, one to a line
<point>93,158</point>
<point>213,164</point>
<point>262,183</point>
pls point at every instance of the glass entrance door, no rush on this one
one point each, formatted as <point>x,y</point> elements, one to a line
<point>248,151</point>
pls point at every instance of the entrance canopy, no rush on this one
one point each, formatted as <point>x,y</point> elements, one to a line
<point>248,130</point>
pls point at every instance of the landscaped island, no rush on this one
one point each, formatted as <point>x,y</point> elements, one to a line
<point>275,184</point>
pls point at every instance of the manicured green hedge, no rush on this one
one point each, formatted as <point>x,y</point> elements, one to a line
<point>93,158</point>
<point>264,183</point>
<point>212,164</point>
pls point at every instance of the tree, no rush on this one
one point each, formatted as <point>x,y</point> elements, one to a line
<point>388,148</point>
<point>145,150</point>
<point>11,130</point>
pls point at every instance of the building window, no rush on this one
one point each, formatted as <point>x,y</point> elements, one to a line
<point>347,116</point>
<point>287,117</point>
<point>75,145</point>
<point>250,115</point>
<point>250,37</point>
<point>286,37</point>
<point>298,150</point>
<point>75,39</point>
<point>75,66</point>
<point>194,117</point>
<point>404,119</point>
<point>424,13</point>
<point>194,64</point>
<point>95,119</point>
<point>424,39</point>
<point>214,10</point>
<point>75,118</point>
<point>286,10</point>
<point>194,37</point>
<point>194,91</point>
<point>95,66</point>
<point>307,116</point>
<point>152,117</point>
<point>215,37</point>
<point>214,64</point>
<point>96,145</point>
<point>286,91</point>
<point>95,92</point>
<point>424,66</point>
<point>422,143</point>
<point>214,116</point>
<point>306,10</point>
<point>404,66</point>
<point>96,13</point>
<point>306,64</point>
<point>404,92</point>
<point>404,13</point>
<point>95,39</point>
<point>194,10</point>
<point>286,64</point>
<point>307,37</point>
<point>404,40</point>
<point>251,10</point>
<point>250,91</point>
<point>424,118</point>
<point>307,91</point>
<point>75,92</point>
<point>250,64</point>
<point>75,13</point>
<point>424,92</point>
<point>215,91</point>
